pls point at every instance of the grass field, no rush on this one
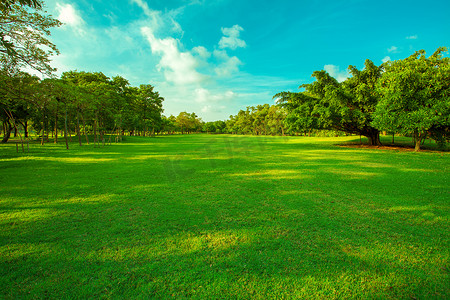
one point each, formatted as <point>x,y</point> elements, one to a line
<point>220,217</point>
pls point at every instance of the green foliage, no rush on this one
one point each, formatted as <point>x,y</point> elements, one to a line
<point>188,122</point>
<point>346,106</point>
<point>23,37</point>
<point>7,4</point>
<point>409,96</point>
<point>260,120</point>
<point>299,107</point>
<point>416,96</point>
<point>90,102</point>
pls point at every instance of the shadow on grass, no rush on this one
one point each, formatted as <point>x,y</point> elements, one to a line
<point>224,218</point>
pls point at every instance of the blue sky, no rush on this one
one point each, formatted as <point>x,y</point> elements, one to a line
<point>214,57</point>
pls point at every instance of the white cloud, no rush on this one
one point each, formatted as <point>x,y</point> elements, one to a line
<point>386,59</point>
<point>229,65</point>
<point>412,37</point>
<point>202,52</point>
<point>393,49</point>
<point>336,73</point>
<point>159,20</point>
<point>179,67</point>
<point>149,12</point>
<point>213,102</point>
<point>212,109</point>
<point>203,95</point>
<point>231,38</point>
<point>70,16</point>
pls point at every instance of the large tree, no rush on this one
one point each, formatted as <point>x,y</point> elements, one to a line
<point>347,106</point>
<point>17,90</point>
<point>328,104</point>
<point>149,108</point>
<point>23,35</point>
<point>416,96</point>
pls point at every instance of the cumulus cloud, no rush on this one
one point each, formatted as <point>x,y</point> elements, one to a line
<point>178,67</point>
<point>203,95</point>
<point>213,102</point>
<point>202,52</point>
<point>231,38</point>
<point>188,82</point>
<point>411,37</point>
<point>71,17</point>
<point>393,49</point>
<point>336,73</point>
<point>228,66</point>
<point>386,59</point>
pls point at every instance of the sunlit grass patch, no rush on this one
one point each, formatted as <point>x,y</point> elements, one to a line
<point>221,216</point>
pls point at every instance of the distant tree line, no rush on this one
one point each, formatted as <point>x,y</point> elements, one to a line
<point>80,103</point>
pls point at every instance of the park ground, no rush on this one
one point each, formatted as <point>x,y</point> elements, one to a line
<point>221,216</point>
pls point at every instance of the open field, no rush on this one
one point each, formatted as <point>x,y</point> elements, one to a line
<point>220,216</point>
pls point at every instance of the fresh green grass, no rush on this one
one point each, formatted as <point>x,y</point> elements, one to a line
<point>219,217</point>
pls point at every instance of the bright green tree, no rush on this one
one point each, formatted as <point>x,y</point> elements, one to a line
<point>299,109</point>
<point>416,96</point>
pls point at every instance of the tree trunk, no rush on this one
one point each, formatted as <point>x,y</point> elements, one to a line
<point>417,141</point>
<point>65,130</point>
<point>84,129</point>
<point>16,130</point>
<point>56,125</point>
<point>25,128</point>
<point>8,129</point>
<point>78,128</point>
<point>374,137</point>
<point>417,146</point>
<point>95,129</point>
<point>101,129</point>
<point>43,127</point>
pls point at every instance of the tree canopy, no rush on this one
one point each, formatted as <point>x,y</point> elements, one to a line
<point>23,36</point>
<point>415,96</point>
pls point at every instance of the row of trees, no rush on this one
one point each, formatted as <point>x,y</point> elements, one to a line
<point>409,96</point>
<point>78,102</point>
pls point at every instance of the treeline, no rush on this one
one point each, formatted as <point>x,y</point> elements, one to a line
<point>257,120</point>
<point>79,103</point>
<point>409,97</point>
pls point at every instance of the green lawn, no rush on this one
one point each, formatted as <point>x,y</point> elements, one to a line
<point>220,216</point>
